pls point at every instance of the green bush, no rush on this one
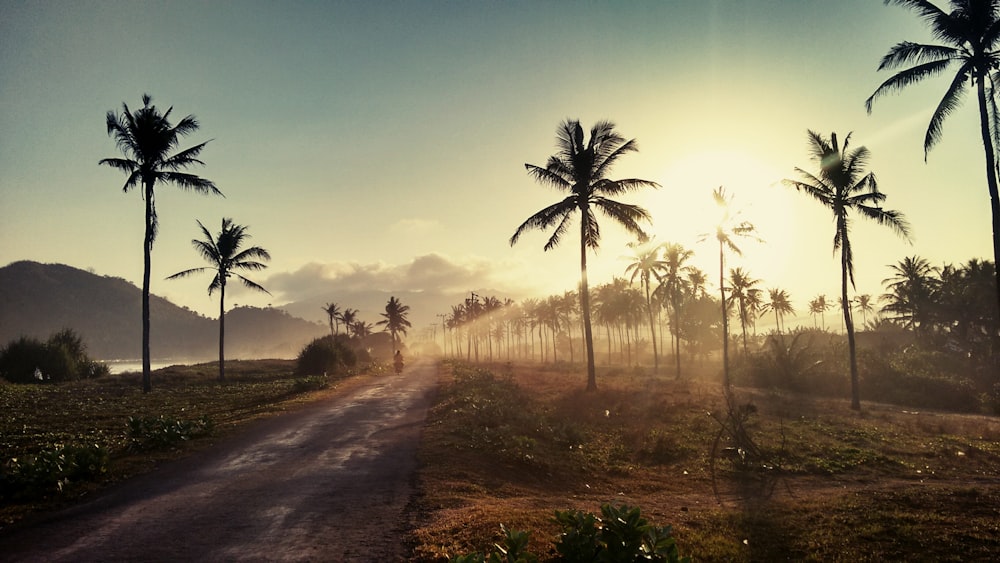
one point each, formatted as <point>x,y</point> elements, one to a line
<point>310,383</point>
<point>149,433</point>
<point>62,358</point>
<point>325,356</point>
<point>51,471</point>
<point>916,378</point>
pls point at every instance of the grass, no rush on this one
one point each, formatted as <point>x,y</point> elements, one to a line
<point>831,484</point>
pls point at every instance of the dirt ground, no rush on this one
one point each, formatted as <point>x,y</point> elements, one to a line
<point>328,482</point>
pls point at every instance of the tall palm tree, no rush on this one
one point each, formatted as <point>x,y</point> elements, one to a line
<point>581,169</point>
<point>729,228</point>
<point>226,257</point>
<point>912,293</point>
<point>780,304</point>
<point>674,284</point>
<point>147,140</point>
<point>747,298</point>
<point>394,319</point>
<point>842,186</point>
<point>863,303</point>
<point>819,306</point>
<point>332,311</point>
<point>647,264</point>
<point>970,40</point>
<point>348,316</point>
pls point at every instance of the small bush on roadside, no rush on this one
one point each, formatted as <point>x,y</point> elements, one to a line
<point>62,358</point>
<point>147,433</point>
<point>325,356</point>
<point>916,378</point>
<point>51,471</point>
<point>310,383</point>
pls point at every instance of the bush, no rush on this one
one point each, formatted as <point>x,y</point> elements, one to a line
<point>325,356</point>
<point>51,471</point>
<point>148,433</point>
<point>62,358</point>
<point>916,378</point>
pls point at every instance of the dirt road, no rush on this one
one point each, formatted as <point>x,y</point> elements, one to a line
<point>329,482</point>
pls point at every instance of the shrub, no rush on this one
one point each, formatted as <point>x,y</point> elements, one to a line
<point>62,358</point>
<point>310,383</point>
<point>325,356</point>
<point>149,433</point>
<point>51,471</point>
<point>916,378</point>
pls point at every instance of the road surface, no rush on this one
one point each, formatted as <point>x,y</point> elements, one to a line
<point>329,482</point>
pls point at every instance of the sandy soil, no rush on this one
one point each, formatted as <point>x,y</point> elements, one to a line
<point>329,482</point>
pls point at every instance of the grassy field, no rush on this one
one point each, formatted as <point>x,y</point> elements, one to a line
<point>812,481</point>
<point>791,477</point>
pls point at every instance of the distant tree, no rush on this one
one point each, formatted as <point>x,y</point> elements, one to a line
<point>147,139</point>
<point>394,320</point>
<point>911,294</point>
<point>969,38</point>
<point>863,303</point>
<point>747,297</point>
<point>647,264</point>
<point>842,186</point>
<point>780,304</point>
<point>332,311</point>
<point>675,286</point>
<point>819,306</point>
<point>348,317</point>
<point>580,169</point>
<point>729,228</point>
<point>227,257</point>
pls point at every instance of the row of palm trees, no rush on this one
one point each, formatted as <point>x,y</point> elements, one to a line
<point>395,321</point>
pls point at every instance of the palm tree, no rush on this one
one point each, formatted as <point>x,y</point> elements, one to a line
<point>970,37</point>
<point>332,311</point>
<point>912,293</point>
<point>394,319</point>
<point>348,316</point>
<point>227,259</point>
<point>863,303</point>
<point>146,138</point>
<point>647,264</point>
<point>674,284</point>
<point>580,169</point>
<point>729,228</point>
<point>747,298</point>
<point>780,304</point>
<point>819,306</point>
<point>842,186</point>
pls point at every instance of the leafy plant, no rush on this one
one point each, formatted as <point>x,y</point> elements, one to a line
<point>325,355</point>
<point>51,471</point>
<point>513,550</point>
<point>146,433</point>
<point>310,383</point>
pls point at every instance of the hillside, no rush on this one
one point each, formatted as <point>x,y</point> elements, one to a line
<point>39,299</point>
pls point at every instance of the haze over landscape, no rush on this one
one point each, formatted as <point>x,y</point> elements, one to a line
<point>380,146</point>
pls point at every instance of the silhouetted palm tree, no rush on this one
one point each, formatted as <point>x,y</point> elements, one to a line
<point>969,38</point>
<point>332,311</point>
<point>348,317</point>
<point>780,304</point>
<point>911,294</point>
<point>863,303</point>
<point>226,258</point>
<point>580,169</point>
<point>727,230</point>
<point>674,285</point>
<point>747,298</point>
<point>647,264</point>
<point>147,140</point>
<point>394,319</point>
<point>842,186</point>
<point>819,306</point>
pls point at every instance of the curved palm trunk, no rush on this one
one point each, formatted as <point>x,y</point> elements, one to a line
<point>585,306</point>
<point>725,317</point>
<point>849,324</point>
<point>991,181</point>
<point>222,330</point>
<point>652,332</point>
<point>147,251</point>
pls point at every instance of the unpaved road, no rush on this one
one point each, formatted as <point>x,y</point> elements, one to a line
<point>329,482</point>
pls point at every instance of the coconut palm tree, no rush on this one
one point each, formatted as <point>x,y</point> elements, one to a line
<point>227,257</point>
<point>581,170</point>
<point>674,284</point>
<point>646,265</point>
<point>843,186</point>
<point>348,317</point>
<point>912,293</point>
<point>394,319</point>
<point>729,228</point>
<point>747,298</point>
<point>863,303</point>
<point>969,37</point>
<point>147,140</point>
<point>332,311</point>
<point>780,304</point>
<point>819,306</point>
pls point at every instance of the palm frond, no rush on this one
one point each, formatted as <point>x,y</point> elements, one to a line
<point>908,52</point>
<point>191,182</point>
<point>548,176</point>
<point>547,217</point>
<point>187,273</point>
<point>251,284</point>
<point>951,100</point>
<point>904,78</point>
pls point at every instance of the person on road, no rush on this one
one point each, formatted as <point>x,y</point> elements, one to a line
<point>397,362</point>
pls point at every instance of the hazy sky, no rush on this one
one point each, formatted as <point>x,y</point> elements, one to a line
<point>382,144</point>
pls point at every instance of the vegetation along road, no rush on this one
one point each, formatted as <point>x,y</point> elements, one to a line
<point>328,482</point>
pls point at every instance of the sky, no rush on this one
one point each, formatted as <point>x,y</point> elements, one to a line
<point>381,145</point>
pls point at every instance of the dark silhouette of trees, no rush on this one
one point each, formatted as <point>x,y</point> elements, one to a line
<point>580,169</point>
<point>842,186</point>
<point>780,304</point>
<point>969,38</point>
<point>332,311</point>
<point>911,294</point>
<point>227,258</point>
<point>647,264</point>
<point>394,320</point>
<point>147,140</point>
<point>676,286</point>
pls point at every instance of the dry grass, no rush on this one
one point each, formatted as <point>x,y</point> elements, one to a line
<point>882,484</point>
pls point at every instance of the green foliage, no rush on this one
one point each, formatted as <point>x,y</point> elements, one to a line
<point>918,378</point>
<point>62,358</point>
<point>310,383</point>
<point>325,355</point>
<point>148,433</point>
<point>51,471</point>
<point>808,361</point>
<point>513,550</point>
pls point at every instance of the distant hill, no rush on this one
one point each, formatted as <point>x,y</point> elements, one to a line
<point>37,300</point>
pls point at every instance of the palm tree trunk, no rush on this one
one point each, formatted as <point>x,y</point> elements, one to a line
<point>222,329</point>
<point>849,324</point>
<point>147,251</point>
<point>991,181</point>
<point>652,332</point>
<point>725,317</point>
<point>585,306</point>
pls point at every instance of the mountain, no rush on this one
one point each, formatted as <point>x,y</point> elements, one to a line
<point>37,300</point>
